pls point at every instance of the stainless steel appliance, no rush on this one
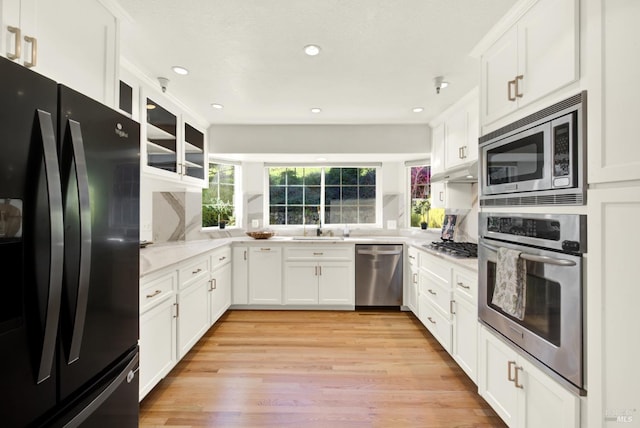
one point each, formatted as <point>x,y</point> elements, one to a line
<point>538,160</point>
<point>379,275</point>
<point>69,191</point>
<point>455,249</point>
<point>551,330</point>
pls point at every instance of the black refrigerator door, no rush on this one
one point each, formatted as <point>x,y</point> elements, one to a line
<point>31,244</point>
<point>100,169</point>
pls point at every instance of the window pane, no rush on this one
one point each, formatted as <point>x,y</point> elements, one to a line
<point>367,215</point>
<point>311,214</point>
<point>349,176</point>
<point>277,195</point>
<point>277,215</point>
<point>312,176</point>
<point>294,215</point>
<point>331,194</point>
<point>366,192</point>
<point>294,176</point>
<point>294,195</point>
<point>217,200</point>
<point>332,176</point>
<point>350,194</point>
<point>312,195</point>
<point>334,214</point>
<point>367,176</point>
<point>277,176</point>
<point>349,215</point>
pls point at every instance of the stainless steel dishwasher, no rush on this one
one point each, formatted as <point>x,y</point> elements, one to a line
<point>379,275</point>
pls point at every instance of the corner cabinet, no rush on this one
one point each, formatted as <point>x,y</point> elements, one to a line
<point>173,147</point>
<point>520,68</point>
<point>521,394</point>
<point>51,39</point>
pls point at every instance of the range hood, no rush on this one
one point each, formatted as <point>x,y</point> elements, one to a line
<point>467,173</point>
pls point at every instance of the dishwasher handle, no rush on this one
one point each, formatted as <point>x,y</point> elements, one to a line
<point>379,252</point>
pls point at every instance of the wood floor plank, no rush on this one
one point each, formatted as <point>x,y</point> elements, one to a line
<point>317,369</point>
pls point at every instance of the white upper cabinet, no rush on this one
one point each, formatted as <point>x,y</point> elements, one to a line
<point>173,145</point>
<point>72,42</point>
<point>613,67</point>
<point>538,55</point>
<point>454,137</point>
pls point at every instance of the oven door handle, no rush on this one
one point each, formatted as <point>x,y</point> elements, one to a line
<point>534,258</point>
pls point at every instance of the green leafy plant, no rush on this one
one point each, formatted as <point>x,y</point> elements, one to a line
<point>217,211</point>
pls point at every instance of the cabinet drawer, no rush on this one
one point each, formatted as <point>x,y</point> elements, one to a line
<point>466,284</point>
<point>319,253</point>
<point>192,271</point>
<point>436,266</point>
<point>438,325</point>
<point>412,254</point>
<point>436,291</point>
<point>157,291</point>
<point>220,257</point>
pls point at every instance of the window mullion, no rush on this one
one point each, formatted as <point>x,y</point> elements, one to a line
<point>322,199</point>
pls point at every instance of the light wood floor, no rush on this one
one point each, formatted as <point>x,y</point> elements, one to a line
<point>317,369</point>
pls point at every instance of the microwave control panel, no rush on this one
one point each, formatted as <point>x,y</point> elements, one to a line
<point>562,155</point>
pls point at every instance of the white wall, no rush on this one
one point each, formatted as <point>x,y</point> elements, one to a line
<point>288,139</point>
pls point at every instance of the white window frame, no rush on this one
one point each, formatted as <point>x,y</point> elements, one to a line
<point>330,226</point>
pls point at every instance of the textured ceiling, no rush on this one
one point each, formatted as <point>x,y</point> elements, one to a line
<point>378,58</point>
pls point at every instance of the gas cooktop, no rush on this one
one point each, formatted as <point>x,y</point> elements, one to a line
<point>458,249</point>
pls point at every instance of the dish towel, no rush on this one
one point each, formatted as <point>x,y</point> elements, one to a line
<point>511,283</point>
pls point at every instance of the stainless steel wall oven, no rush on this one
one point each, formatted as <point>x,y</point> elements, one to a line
<point>551,247</point>
<point>538,160</point>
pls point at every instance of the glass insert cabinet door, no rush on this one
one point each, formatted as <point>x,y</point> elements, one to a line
<point>193,152</point>
<point>162,142</point>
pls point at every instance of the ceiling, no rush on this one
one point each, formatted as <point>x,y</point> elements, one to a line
<point>378,58</point>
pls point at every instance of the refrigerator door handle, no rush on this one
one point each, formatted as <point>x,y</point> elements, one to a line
<point>56,242</point>
<point>84,262</point>
<point>126,375</point>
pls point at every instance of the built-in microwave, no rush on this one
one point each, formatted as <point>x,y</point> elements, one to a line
<point>538,160</point>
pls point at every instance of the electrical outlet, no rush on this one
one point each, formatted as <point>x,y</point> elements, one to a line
<point>255,223</point>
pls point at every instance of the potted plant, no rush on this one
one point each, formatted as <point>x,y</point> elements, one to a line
<point>422,207</point>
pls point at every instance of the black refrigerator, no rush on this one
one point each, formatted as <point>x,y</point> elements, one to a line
<point>69,247</point>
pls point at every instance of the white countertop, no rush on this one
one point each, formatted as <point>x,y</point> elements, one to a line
<point>158,256</point>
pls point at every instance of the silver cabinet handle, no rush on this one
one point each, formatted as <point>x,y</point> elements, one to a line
<point>196,271</point>
<point>222,258</point>
<point>415,278</point>
<point>318,254</point>
<point>412,257</point>
<point>515,378</point>
<point>518,78</point>
<point>214,282</point>
<point>320,270</point>
<point>265,249</point>
<point>509,366</point>
<point>154,294</point>
<point>509,85</point>
<point>461,284</point>
<point>34,51</point>
<point>432,292</point>
<point>431,320</point>
<point>441,196</point>
<point>315,270</point>
<point>245,254</point>
<point>17,50</point>
<point>451,302</point>
<point>177,310</point>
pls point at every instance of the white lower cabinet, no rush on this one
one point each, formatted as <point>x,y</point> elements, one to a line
<point>219,283</point>
<point>411,290</point>
<point>265,275</point>
<point>521,394</point>
<point>465,321</point>
<point>240,276</point>
<point>319,276</point>
<point>157,329</point>
<point>193,315</point>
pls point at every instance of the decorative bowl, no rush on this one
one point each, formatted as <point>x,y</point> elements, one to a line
<point>264,234</point>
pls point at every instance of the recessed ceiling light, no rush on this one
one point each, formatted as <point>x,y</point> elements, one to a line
<point>316,110</point>
<point>151,106</point>
<point>180,70</point>
<point>418,110</point>
<point>217,106</point>
<point>312,50</point>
